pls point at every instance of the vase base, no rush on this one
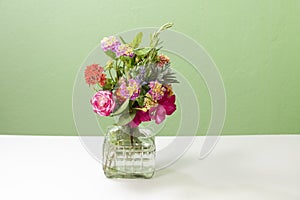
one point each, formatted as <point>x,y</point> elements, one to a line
<point>128,155</point>
<point>114,173</point>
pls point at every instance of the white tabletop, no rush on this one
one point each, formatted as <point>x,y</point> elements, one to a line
<point>240,167</point>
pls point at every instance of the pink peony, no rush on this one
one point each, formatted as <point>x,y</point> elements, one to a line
<point>103,103</point>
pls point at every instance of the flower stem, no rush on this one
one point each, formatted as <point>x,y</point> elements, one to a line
<point>111,75</point>
<point>131,137</point>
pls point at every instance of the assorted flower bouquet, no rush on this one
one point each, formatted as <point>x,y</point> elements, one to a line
<point>136,82</point>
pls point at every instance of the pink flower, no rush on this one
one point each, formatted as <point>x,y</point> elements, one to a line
<point>140,117</point>
<point>94,74</point>
<point>102,80</point>
<point>158,114</point>
<point>163,60</point>
<point>103,103</point>
<point>168,102</point>
<point>165,107</point>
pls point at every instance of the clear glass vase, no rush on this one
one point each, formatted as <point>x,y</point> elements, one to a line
<point>128,153</point>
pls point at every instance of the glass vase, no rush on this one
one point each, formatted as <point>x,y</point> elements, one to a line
<point>128,153</point>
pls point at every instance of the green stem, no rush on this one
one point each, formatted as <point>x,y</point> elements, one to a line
<point>131,140</point>
<point>131,137</point>
<point>117,70</point>
<point>111,75</point>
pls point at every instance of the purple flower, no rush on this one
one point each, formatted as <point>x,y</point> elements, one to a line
<point>130,90</point>
<point>133,89</point>
<point>124,50</point>
<point>123,90</point>
<point>157,90</point>
<point>140,78</point>
<point>110,43</point>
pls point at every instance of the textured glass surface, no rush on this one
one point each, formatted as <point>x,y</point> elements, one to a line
<point>128,153</point>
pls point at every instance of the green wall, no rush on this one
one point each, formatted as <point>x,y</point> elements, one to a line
<point>254,43</point>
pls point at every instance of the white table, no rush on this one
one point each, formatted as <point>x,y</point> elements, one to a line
<point>240,168</point>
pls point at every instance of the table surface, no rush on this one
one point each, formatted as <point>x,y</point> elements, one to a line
<point>240,167</point>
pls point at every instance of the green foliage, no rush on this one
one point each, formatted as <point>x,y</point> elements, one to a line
<point>163,75</point>
<point>154,39</point>
<point>142,51</point>
<point>140,100</point>
<point>122,108</point>
<point>108,84</point>
<point>110,54</point>
<point>137,40</point>
<point>138,63</point>
<point>126,117</point>
<point>122,40</point>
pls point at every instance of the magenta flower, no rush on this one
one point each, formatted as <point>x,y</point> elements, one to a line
<point>168,102</point>
<point>158,114</point>
<point>140,117</point>
<point>166,106</point>
<point>103,103</point>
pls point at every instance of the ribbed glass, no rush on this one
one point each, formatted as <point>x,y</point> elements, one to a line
<point>128,153</point>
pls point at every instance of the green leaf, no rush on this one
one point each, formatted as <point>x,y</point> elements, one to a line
<point>140,101</point>
<point>137,40</point>
<point>122,40</point>
<point>142,51</point>
<point>121,109</point>
<point>108,85</point>
<point>110,54</point>
<point>126,117</point>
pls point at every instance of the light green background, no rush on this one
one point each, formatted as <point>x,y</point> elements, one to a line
<point>254,43</point>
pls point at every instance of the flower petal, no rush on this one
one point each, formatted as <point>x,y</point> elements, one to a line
<point>160,114</point>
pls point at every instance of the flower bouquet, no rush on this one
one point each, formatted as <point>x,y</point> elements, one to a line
<point>134,86</point>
